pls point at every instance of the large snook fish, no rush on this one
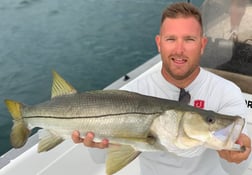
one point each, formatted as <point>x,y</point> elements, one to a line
<point>133,122</point>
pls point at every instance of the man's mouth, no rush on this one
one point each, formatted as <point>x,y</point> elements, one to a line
<point>179,60</point>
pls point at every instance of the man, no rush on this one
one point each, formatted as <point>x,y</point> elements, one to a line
<point>181,43</point>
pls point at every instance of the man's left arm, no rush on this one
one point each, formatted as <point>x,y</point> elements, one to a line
<point>235,162</point>
<point>238,156</point>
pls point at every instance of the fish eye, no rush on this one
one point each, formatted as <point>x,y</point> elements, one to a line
<point>210,119</point>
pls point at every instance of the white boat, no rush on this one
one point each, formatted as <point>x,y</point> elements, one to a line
<point>69,158</point>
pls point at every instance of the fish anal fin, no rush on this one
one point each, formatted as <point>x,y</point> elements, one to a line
<point>60,86</point>
<point>118,157</point>
<point>48,140</point>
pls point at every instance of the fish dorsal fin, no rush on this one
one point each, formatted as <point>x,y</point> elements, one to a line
<point>48,140</point>
<point>118,157</point>
<point>60,86</point>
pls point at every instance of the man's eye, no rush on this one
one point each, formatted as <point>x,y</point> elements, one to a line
<point>170,39</point>
<point>190,39</point>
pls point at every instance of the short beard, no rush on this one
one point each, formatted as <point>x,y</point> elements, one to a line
<point>180,77</point>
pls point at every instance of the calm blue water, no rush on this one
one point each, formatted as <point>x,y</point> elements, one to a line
<point>91,43</point>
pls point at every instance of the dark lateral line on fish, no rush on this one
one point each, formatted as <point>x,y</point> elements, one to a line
<point>98,116</point>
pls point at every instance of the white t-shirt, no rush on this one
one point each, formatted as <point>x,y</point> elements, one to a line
<point>207,91</point>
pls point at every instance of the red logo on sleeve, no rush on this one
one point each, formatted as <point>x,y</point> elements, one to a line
<point>199,104</point>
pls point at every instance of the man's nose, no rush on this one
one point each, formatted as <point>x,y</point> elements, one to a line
<point>179,47</point>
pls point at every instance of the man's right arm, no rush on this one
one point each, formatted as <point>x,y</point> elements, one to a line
<point>98,155</point>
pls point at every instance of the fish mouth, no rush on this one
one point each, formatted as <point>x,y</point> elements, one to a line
<point>226,137</point>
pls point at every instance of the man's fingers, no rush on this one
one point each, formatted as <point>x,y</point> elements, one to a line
<point>76,137</point>
<point>103,144</point>
<point>244,140</point>
<point>89,140</point>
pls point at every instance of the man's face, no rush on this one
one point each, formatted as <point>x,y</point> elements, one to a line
<point>180,44</point>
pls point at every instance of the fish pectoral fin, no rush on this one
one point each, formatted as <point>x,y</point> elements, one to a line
<point>48,140</point>
<point>118,157</point>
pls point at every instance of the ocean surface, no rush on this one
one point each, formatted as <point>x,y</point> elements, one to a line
<point>91,43</point>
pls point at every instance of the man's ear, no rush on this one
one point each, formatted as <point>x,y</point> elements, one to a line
<point>204,41</point>
<point>157,39</point>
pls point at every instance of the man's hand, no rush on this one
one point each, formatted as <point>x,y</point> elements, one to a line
<point>89,140</point>
<point>236,156</point>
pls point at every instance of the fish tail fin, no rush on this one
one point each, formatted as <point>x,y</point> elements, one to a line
<point>19,132</point>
